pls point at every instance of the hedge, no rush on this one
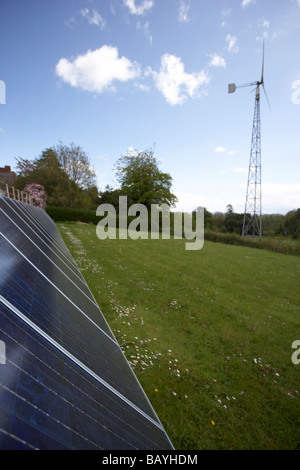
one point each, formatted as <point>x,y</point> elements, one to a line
<point>278,245</point>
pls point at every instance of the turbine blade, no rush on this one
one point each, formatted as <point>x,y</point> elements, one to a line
<point>266,96</point>
<point>263,64</point>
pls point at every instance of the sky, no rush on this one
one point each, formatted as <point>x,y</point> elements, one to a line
<point>116,75</point>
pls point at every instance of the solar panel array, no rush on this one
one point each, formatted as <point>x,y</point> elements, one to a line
<point>64,381</point>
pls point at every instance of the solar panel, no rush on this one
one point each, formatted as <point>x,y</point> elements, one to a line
<point>64,380</point>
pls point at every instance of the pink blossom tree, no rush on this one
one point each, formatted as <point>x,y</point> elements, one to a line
<point>37,192</point>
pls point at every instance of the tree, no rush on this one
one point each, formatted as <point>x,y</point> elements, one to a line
<point>209,223</point>
<point>46,171</point>
<point>142,181</point>
<point>292,223</point>
<point>272,224</point>
<point>219,219</point>
<point>110,196</point>
<point>24,166</point>
<point>62,189</point>
<point>75,163</point>
<point>38,193</point>
<point>233,222</point>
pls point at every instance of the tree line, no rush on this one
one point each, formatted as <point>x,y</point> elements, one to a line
<point>64,173</point>
<point>63,177</point>
<point>272,224</point>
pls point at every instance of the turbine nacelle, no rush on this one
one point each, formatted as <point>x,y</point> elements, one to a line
<point>232,86</point>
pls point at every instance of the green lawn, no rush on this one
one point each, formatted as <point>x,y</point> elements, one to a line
<point>208,334</point>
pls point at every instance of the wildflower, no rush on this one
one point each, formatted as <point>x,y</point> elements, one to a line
<point>155,390</point>
<point>213,423</point>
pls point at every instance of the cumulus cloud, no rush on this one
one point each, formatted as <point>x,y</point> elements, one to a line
<point>138,9</point>
<point>97,70</point>
<point>174,83</point>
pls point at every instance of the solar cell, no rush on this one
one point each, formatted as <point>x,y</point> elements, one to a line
<point>65,382</point>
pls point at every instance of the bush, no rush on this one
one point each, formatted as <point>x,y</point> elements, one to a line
<point>278,245</point>
<point>64,214</point>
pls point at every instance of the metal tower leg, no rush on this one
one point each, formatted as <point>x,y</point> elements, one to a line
<point>252,224</point>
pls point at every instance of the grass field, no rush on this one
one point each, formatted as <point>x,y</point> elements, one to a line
<point>208,334</point>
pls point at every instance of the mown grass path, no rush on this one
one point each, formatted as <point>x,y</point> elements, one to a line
<point>208,334</point>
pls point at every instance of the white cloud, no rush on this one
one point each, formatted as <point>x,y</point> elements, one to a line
<point>220,149</point>
<point>231,40</point>
<point>140,9</point>
<point>281,197</point>
<point>265,23</point>
<point>70,22</point>
<point>189,201</point>
<point>245,3</point>
<point>93,18</point>
<point>146,30</point>
<point>96,70</point>
<point>217,61</point>
<point>174,83</point>
<point>183,12</point>
<point>226,12</point>
<point>142,87</point>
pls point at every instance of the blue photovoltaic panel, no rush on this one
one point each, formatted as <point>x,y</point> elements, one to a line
<point>65,382</point>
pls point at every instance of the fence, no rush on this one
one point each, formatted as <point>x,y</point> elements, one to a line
<point>13,193</point>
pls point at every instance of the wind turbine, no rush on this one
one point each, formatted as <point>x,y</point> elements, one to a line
<point>252,223</point>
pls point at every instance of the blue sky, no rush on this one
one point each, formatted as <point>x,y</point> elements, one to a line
<point>110,75</point>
